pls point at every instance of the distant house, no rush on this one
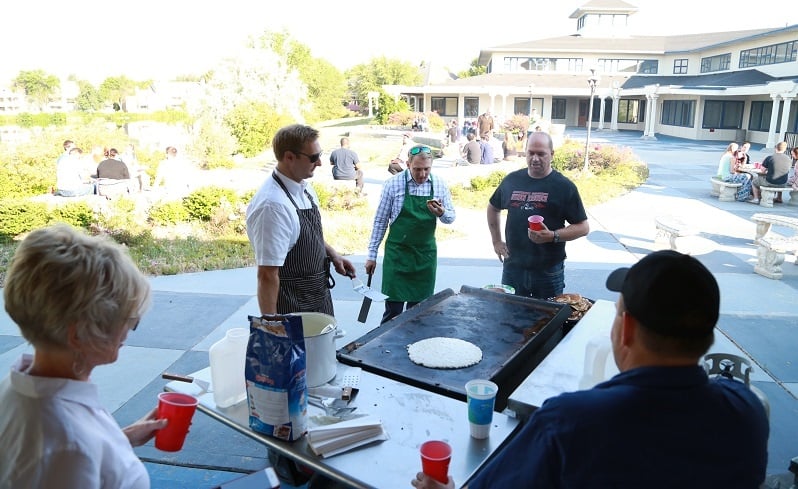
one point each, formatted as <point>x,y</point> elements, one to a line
<point>162,96</point>
<point>725,86</point>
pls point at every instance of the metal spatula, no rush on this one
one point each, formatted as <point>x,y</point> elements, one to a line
<point>367,291</point>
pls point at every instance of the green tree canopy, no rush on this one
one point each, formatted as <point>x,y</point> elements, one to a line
<point>474,70</point>
<point>88,98</point>
<point>115,88</point>
<point>371,76</point>
<point>37,85</point>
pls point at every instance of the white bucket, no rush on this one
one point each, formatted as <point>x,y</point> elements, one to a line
<point>320,332</point>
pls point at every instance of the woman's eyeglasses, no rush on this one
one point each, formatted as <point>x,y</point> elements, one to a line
<point>419,149</point>
<point>313,158</point>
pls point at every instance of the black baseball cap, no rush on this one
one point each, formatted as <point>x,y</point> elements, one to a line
<point>670,293</point>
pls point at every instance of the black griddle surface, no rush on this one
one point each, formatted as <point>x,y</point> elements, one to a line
<point>513,332</point>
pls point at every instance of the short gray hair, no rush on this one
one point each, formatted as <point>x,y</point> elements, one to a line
<point>61,277</point>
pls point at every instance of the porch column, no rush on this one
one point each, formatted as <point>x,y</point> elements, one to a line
<point>651,115</point>
<point>602,108</point>
<point>785,115</point>
<point>614,119</point>
<point>774,117</point>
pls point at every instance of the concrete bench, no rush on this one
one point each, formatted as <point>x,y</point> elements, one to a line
<point>669,228</point>
<point>724,191</point>
<point>769,193</point>
<point>111,188</point>
<point>771,249</point>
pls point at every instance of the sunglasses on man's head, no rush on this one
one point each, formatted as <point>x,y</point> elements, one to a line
<point>418,149</point>
<point>313,158</point>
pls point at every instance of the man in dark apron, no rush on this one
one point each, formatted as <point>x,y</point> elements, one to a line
<point>284,228</point>
<point>411,203</point>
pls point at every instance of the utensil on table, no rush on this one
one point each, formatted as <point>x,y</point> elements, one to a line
<point>204,385</point>
<point>329,406</point>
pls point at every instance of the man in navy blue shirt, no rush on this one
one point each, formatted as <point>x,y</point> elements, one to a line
<point>661,422</point>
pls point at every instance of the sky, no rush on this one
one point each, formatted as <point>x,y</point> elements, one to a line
<point>161,39</point>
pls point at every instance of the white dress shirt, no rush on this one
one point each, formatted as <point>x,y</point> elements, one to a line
<point>56,434</point>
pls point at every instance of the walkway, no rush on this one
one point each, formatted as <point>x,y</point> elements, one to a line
<point>759,317</point>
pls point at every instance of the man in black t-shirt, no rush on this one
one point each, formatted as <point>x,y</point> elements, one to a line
<point>533,260</point>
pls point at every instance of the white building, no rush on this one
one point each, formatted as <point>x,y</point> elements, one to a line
<point>711,86</point>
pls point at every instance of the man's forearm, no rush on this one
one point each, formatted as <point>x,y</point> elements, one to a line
<point>268,287</point>
<point>493,216</point>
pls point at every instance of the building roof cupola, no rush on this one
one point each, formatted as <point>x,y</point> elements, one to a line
<point>603,18</point>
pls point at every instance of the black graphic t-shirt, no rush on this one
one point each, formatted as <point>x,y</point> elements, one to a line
<point>553,197</point>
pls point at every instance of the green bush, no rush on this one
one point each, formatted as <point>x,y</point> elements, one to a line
<point>490,181</point>
<point>202,203</point>
<point>20,216</point>
<point>338,199</point>
<point>570,157</point>
<point>171,212</point>
<point>78,214</point>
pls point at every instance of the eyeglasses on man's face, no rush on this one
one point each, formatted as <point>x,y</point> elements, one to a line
<point>314,158</point>
<point>420,149</point>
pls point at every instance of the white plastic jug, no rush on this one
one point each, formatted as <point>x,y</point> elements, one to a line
<point>599,363</point>
<point>227,357</point>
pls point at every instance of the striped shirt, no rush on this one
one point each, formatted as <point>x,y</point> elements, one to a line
<point>392,199</point>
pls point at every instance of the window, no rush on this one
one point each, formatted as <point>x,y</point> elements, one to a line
<point>444,106</point>
<point>471,106</point>
<point>716,63</point>
<point>723,114</point>
<point>760,116</point>
<point>769,55</point>
<point>521,105</point>
<point>629,110</point>
<point>515,64</point>
<point>645,66</point>
<point>558,108</point>
<point>678,113</point>
<point>680,66</point>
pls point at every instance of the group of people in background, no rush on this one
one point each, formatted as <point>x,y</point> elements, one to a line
<point>79,174</point>
<point>776,170</point>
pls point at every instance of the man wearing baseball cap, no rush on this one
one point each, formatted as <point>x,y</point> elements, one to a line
<point>661,422</point>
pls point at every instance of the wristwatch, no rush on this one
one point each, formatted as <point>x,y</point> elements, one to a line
<point>556,237</point>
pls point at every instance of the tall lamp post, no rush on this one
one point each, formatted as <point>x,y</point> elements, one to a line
<point>592,82</point>
<point>529,128</point>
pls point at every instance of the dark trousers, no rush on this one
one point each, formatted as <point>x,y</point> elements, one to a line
<point>393,309</point>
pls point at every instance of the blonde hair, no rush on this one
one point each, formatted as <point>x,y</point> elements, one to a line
<point>60,277</point>
<point>732,147</point>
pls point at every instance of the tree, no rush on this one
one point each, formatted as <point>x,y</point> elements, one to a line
<point>254,124</point>
<point>474,70</point>
<point>371,76</point>
<point>326,85</point>
<point>88,99</point>
<point>38,86</point>
<point>114,89</point>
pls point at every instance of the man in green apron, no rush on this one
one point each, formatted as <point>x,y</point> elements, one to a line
<point>284,228</point>
<point>411,203</point>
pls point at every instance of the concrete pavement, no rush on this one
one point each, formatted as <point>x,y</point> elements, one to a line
<point>759,316</point>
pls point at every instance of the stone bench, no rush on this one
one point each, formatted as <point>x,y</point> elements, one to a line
<point>769,193</point>
<point>771,249</point>
<point>724,191</point>
<point>669,228</point>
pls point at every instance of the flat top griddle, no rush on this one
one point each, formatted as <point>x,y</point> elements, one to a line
<point>515,333</point>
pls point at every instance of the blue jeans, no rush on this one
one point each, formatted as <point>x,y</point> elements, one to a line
<point>540,284</point>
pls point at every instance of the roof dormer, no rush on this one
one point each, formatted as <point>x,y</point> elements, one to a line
<point>603,18</point>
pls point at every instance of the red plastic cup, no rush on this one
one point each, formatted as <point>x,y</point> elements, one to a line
<point>535,222</point>
<point>178,409</point>
<point>435,458</point>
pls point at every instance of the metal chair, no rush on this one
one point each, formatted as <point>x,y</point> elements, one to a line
<point>734,367</point>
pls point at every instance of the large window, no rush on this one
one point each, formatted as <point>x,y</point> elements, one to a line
<point>769,55</point>
<point>521,105</point>
<point>471,106</point>
<point>517,64</point>
<point>760,116</point>
<point>444,106</point>
<point>644,66</point>
<point>723,114</point>
<point>558,108</point>
<point>716,63</point>
<point>680,66</point>
<point>631,111</point>
<point>678,112</point>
